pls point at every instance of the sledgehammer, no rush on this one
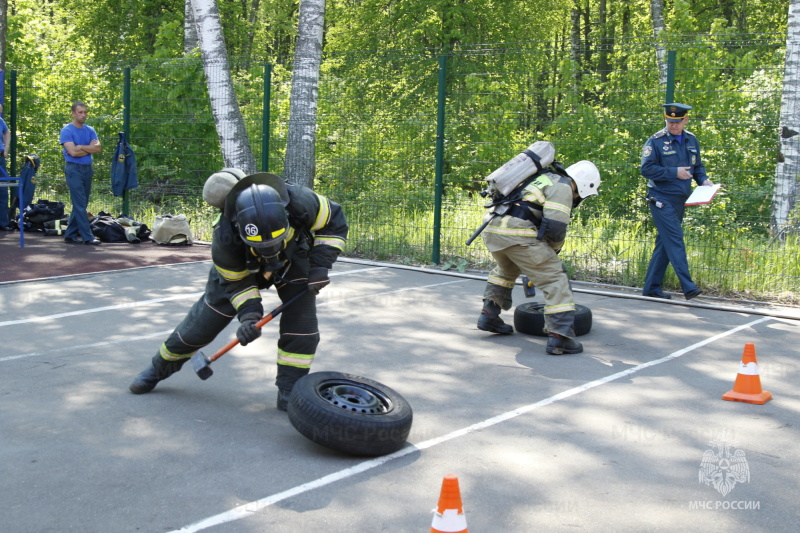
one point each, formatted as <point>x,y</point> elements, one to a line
<point>202,364</point>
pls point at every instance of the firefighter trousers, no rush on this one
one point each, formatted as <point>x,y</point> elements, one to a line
<point>541,264</point>
<point>299,332</point>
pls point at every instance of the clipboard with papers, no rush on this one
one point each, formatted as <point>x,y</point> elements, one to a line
<point>703,195</point>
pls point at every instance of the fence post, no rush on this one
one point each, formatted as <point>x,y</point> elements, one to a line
<point>439,186</point>
<point>265,120</point>
<point>12,85</point>
<point>126,128</point>
<point>670,96</point>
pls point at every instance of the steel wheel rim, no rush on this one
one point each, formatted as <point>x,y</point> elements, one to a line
<point>354,397</point>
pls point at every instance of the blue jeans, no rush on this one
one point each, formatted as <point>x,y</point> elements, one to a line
<point>79,181</point>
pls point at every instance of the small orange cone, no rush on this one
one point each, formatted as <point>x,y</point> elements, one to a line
<point>747,387</point>
<point>449,517</point>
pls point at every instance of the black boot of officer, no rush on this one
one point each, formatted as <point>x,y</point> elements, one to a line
<point>490,319</point>
<point>559,345</point>
<point>158,370</point>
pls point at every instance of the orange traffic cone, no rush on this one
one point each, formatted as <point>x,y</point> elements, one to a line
<point>747,387</point>
<point>449,517</point>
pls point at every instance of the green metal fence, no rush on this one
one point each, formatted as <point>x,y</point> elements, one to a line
<point>405,139</point>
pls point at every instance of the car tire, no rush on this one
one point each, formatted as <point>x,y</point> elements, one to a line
<point>350,414</point>
<point>529,318</point>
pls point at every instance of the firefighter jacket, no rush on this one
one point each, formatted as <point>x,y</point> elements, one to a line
<point>548,198</point>
<point>316,236</point>
<point>663,154</point>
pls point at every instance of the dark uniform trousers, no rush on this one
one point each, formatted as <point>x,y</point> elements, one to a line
<point>299,332</point>
<point>669,247</point>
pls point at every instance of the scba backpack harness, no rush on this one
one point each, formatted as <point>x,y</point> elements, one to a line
<point>506,185</point>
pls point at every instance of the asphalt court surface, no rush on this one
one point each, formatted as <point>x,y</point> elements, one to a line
<point>612,439</point>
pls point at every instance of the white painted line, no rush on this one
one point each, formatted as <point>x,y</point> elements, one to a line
<point>84,346</point>
<point>126,305</point>
<point>246,510</point>
<point>129,305</point>
<point>133,339</point>
<point>85,274</point>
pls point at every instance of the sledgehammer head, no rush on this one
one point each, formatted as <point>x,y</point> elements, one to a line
<point>202,365</point>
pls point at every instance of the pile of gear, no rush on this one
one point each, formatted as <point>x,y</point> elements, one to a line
<point>123,229</point>
<point>40,216</point>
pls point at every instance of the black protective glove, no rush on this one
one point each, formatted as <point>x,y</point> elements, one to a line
<point>551,230</point>
<point>317,279</point>
<point>248,332</point>
<point>541,231</point>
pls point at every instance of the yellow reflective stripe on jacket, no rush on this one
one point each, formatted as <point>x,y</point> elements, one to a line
<point>561,208</point>
<point>323,215</point>
<point>510,232</point>
<point>251,293</point>
<point>299,360</point>
<point>232,275</point>
<point>502,282</point>
<point>329,240</point>
<point>563,308</point>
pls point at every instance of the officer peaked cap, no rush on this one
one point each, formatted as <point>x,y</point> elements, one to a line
<point>676,112</point>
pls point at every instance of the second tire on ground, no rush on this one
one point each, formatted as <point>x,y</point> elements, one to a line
<point>529,318</point>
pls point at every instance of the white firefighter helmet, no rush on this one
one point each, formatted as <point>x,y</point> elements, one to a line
<point>586,177</point>
<point>219,184</point>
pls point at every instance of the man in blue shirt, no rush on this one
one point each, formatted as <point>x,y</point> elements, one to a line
<point>670,160</point>
<point>80,142</point>
<point>5,140</point>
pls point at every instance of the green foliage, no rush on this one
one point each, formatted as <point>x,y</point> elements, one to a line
<point>459,263</point>
<point>597,97</point>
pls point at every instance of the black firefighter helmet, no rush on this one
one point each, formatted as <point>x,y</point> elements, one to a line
<point>258,212</point>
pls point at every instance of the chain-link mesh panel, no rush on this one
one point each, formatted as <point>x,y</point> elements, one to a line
<point>377,140</point>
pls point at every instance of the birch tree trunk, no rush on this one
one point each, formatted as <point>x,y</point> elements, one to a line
<point>190,38</point>
<point>787,171</point>
<point>233,140</point>
<point>657,16</point>
<point>300,165</point>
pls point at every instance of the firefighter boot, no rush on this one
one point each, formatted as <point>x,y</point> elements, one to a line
<point>490,319</point>
<point>158,370</point>
<point>283,399</point>
<point>287,377</point>
<point>559,345</point>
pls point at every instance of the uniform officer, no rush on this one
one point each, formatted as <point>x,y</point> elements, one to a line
<point>670,160</point>
<point>269,233</point>
<point>526,240</point>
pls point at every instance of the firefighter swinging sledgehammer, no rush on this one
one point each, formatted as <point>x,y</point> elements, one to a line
<point>268,234</point>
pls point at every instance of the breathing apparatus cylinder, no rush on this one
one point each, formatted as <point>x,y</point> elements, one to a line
<point>219,184</point>
<point>527,163</point>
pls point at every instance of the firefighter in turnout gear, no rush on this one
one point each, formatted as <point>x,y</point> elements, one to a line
<point>269,234</point>
<point>526,240</point>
